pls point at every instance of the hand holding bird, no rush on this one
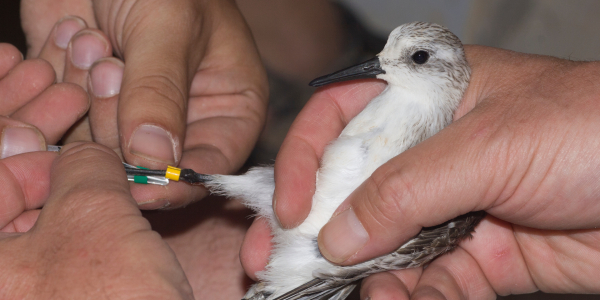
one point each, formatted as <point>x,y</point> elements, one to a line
<point>427,74</point>
<point>517,105</point>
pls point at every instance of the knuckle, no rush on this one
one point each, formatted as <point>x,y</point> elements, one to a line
<point>84,151</point>
<point>162,94</point>
<point>392,197</point>
<point>86,203</point>
<point>89,194</point>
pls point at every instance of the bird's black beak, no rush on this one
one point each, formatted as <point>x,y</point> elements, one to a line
<point>367,69</point>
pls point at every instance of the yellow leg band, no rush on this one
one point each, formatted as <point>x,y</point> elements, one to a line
<point>173,173</point>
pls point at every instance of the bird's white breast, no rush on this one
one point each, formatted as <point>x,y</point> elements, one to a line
<point>395,120</point>
<point>391,123</point>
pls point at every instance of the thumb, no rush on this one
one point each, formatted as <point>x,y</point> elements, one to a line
<point>159,65</point>
<point>424,186</point>
<point>520,154</point>
<point>88,188</point>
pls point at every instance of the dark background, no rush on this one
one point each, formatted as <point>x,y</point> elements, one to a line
<point>10,25</point>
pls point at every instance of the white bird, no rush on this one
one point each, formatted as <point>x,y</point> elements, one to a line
<point>427,73</point>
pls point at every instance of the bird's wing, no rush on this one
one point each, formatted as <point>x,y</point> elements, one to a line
<point>343,293</point>
<point>431,242</point>
<point>312,290</point>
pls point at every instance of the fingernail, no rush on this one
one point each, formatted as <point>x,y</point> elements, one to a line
<point>275,210</point>
<point>342,237</point>
<point>86,49</point>
<point>153,143</point>
<point>17,140</point>
<point>105,78</point>
<point>67,28</point>
<point>154,204</point>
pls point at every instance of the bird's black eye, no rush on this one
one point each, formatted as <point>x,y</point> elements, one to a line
<point>420,57</point>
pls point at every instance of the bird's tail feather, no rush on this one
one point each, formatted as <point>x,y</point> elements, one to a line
<point>254,189</point>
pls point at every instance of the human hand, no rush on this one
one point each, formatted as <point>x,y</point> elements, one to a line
<point>29,98</point>
<point>30,104</point>
<point>523,150</point>
<point>90,240</point>
<point>192,86</point>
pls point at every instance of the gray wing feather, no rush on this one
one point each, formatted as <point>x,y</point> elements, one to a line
<point>426,246</point>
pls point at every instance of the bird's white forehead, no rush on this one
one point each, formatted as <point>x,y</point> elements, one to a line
<point>427,36</point>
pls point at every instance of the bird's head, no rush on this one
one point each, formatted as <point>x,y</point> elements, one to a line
<point>416,55</point>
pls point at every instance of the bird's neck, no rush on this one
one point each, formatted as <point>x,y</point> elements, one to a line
<point>394,121</point>
<point>403,113</point>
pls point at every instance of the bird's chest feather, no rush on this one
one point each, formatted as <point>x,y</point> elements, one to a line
<point>387,127</point>
<point>361,149</point>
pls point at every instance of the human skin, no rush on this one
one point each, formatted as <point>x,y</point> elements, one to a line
<point>90,240</point>
<point>29,102</point>
<point>205,237</point>
<point>523,148</point>
<point>180,82</point>
<point>206,244</point>
<point>29,112</point>
<point>207,248</point>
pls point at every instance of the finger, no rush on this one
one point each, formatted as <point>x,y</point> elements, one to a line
<point>319,122</point>
<point>384,286</point>
<point>10,56</point>
<point>86,177</point>
<point>22,223</point>
<point>153,99</point>
<point>54,50</point>
<point>23,83</point>
<point>25,186</point>
<point>500,257</point>
<point>39,17</point>
<point>94,162</point>
<point>104,86</point>
<point>85,48</point>
<point>55,110</point>
<point>453,276</point>
<point>558,261</point>
<point>256,248</point>
<point>18,137</point>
